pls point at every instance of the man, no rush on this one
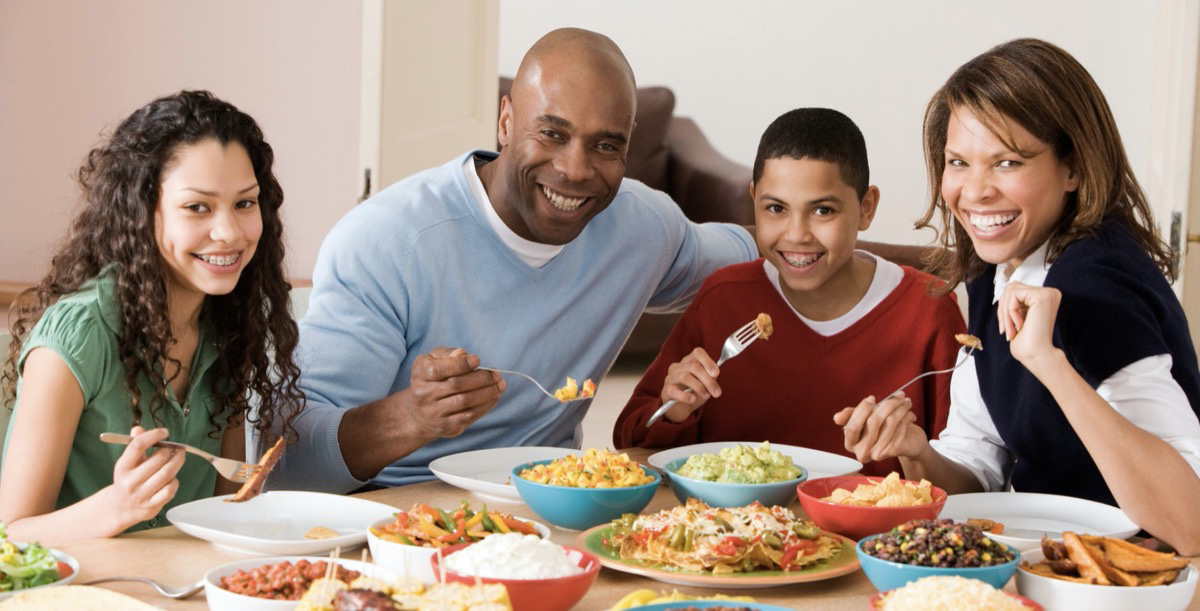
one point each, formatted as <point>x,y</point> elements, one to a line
<point>539,259</point>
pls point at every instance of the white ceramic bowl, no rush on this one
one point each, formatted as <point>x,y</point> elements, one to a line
<point>220,599</point>
<point>61,557</point>
<point>413,560</point>
<point>1055,594</point>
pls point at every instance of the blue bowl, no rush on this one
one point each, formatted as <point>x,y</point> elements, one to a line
<point>724,494</point>
<point>582,508</point>
<point>887,575</point>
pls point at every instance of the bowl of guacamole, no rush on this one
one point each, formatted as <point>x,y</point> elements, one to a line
<point>736,476</point>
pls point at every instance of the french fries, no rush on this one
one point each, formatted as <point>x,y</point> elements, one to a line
<point>1105,561</point>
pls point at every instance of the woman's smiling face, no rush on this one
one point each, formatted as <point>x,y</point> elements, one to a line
<point>1009,202</point>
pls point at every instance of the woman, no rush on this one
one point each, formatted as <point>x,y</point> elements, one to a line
<point>1087,384</point>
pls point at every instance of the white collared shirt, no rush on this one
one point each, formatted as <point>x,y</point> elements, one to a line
<point>1144,392</point>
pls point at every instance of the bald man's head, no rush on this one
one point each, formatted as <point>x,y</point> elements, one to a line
<point>564,133</point>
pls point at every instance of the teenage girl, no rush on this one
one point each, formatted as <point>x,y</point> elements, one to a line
<point>1087,384</point>
<point>164,314</point>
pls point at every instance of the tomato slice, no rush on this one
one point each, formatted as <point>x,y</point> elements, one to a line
<point>64,570</point>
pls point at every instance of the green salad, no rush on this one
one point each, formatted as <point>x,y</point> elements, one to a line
<point>741,464</point>
<point>23,569</point>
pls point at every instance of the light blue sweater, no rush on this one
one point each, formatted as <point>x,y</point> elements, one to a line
<point>417,266</point>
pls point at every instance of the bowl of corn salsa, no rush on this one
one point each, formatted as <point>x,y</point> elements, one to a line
<point>581,491</point>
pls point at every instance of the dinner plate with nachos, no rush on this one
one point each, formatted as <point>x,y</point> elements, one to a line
<point>843,562</point>
<point>721,547</point>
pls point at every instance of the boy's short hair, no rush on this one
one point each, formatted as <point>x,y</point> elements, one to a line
<point>822,134</point>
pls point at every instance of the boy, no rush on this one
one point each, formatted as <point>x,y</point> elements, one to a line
<point>846,324</point>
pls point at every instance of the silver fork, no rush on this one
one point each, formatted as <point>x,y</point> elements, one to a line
<point>168,591</point>
<point>734,345</point>
<point>232,470</point>
<point>535,383</point>
<point>961,361</point>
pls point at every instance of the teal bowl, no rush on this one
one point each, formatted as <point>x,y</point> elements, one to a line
<point>723,494</point>
<point>582,508</point>
<point>887,575</point>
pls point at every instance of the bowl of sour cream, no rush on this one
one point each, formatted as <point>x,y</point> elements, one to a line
<point>540,575</point>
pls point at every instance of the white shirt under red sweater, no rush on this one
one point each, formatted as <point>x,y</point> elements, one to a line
<point>786,389</point>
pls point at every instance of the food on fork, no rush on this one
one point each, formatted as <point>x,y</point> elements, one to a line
<point>254,485</point>
<point>970,341</point>
<point>571,391</point>
<point>594,469</point>
<point>1104,561</point>
<point>889,492</point>
<point>741,464</point>
<point>696,537</point>
<point>763,324</point>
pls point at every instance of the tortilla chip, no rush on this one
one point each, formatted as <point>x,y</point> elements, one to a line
<point>321,532</point>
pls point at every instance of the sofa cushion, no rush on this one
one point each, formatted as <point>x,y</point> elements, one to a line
<point>647,158</point>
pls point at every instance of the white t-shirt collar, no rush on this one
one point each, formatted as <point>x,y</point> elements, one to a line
<point>534,254</point>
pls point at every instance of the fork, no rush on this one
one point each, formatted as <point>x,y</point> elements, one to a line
<point>734,345</point>
<point>168,591</point>
<point>970,350</point>
<point>535,383</point>
<point>232,470</point>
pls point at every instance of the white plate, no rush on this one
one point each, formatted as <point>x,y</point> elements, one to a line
<point>486,472</point>
<point>818,463</point>
<point>275,522</point>
<point>61,557</point>
<point>220,599</point>
<point>1036,514</point>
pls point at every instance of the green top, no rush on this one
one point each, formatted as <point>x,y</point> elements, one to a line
<point>83,329</point>
<point>741,464</point>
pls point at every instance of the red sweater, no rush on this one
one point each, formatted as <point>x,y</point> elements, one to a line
<point>786,389</point>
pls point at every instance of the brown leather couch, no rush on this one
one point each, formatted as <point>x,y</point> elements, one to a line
<point>671,154</point>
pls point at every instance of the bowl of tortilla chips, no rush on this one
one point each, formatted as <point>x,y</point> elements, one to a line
<point>1090,572</point>
<point>861,505</point>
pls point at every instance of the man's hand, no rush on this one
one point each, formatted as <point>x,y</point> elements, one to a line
<point>447,393</point>
<point>691,382</point>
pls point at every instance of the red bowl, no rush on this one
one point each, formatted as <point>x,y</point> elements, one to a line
<point>856,521</point>
<point>877,601</point>
<point>555,594</point>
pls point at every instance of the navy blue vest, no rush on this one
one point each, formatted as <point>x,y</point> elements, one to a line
<point>1117,308</point>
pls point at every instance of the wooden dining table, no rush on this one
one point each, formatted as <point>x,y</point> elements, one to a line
<point>169,556</point>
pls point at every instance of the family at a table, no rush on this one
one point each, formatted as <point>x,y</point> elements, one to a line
<point>166,313</point>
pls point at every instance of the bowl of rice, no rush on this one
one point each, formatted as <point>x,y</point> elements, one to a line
<point>540,575</point>
<point>950,593</point>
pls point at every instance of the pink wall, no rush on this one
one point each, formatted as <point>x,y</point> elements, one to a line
<point>70,70</point>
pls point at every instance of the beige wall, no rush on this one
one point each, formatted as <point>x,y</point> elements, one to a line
<point>70,69</point>
<point>735,66</point>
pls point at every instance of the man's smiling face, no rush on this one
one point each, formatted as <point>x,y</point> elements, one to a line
<point>564,134</point>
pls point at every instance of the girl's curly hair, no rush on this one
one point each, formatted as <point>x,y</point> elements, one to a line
<point>121,185</point>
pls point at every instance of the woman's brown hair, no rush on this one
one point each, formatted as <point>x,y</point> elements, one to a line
<point>121,180</point>
<point>1046,91</point>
